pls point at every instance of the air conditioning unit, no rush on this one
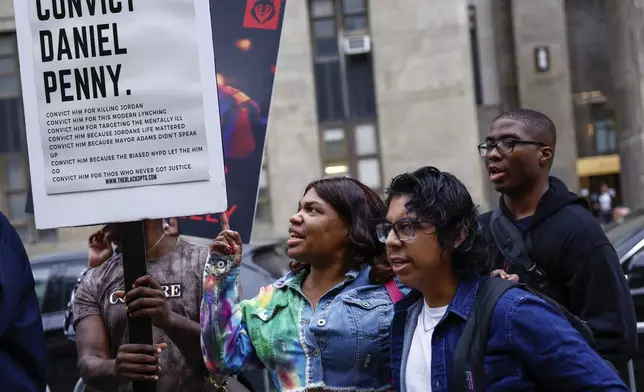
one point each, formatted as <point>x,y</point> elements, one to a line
<point>357,44</point>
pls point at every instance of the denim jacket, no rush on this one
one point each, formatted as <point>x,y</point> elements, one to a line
<point>531,347</point>
<point>342,344</point>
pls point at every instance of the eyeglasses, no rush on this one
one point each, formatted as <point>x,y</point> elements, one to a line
<point>405,229</point>
<point>506,146</point>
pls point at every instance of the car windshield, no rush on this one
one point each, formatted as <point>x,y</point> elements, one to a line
<point>41,277</point>
<point>620,232</point>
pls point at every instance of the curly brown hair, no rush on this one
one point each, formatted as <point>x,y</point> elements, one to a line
<point>361,209</point>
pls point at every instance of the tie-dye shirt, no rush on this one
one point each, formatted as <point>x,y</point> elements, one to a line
<point>342,344</point>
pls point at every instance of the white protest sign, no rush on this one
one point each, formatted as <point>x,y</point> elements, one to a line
<point>121,109</point>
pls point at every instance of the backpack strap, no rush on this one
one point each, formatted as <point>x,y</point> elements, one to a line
<point>514,248</point>
<point>467,363</point>
<point>393,291</point>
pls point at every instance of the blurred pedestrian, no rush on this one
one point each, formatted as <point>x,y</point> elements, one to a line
<point>605,200</point>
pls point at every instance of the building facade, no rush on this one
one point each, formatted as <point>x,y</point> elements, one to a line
<point>373,88</point>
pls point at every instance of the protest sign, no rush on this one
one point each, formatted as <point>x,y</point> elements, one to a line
<point>121,110</point>
<point>246,37</point>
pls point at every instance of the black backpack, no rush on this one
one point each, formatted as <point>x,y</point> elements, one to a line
<point>467,366</point>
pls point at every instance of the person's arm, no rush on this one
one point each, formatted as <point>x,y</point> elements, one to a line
<point>147,299</point>
<point>96,367</point>
<point>99,371</point>
<point>225,341</point>
<point>552,351</point>
<point>598,293</point>
<point>23,355</point>
<point>185,335</point>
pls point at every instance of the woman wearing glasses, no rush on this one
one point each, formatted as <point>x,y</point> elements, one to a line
<point>434,245</point>
<point>326,324</point>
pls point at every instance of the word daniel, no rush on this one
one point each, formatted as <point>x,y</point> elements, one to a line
<point>82,42</point>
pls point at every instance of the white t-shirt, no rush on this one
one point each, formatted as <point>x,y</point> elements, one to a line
<point>418,375</point>
<point>605,202</point>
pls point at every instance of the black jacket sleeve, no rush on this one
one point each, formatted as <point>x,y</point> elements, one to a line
<point>598,293</point>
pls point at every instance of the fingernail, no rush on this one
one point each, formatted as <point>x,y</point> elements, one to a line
<point>156,378</point>
<point>158,351</point>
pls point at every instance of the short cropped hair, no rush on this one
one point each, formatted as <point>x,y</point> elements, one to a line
<point>536,124</point>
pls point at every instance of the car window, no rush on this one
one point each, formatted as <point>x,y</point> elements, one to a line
<point>621,232</point>
<point>70,278</point>
<point>636,270</point>
<point>41,275</point>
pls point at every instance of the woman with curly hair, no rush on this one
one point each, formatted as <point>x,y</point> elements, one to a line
<point>325,325</point>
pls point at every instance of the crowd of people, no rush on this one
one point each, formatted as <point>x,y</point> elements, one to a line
<point>417,292</point>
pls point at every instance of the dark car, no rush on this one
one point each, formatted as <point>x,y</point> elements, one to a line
<point>628,239</point>
<point>56,274</point>
<point>627,236</point>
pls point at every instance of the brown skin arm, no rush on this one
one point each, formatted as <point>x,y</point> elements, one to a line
<point>186,335</point>
<point>147,299</point>
<point>96,367</point>
<point>98,370</point>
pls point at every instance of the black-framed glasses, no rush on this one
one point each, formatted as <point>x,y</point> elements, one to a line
<point>506,146</point>
<point>405,229</point>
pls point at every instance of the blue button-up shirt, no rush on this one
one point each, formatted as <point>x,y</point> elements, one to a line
<point>531,347</point>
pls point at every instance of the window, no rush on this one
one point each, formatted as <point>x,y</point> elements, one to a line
<point>352,150</point>
<point>9,74</point>
<point>42,275</point>
<point>72,273</point>
<point>345,90</point>
<point>12,137</point>
<point>474,47</point>
<point>635,273</point>
<point>14,186</point>
<point>594,120</point>
<point>14,176</point>
<point>355,17</point>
